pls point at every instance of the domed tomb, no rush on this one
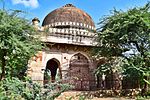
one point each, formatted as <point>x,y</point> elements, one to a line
<point>69,16</point>
<point>69,34</point>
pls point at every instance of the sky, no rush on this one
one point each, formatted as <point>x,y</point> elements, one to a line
<point>95,8</point>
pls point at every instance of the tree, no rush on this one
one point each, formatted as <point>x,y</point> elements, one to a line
<point>17,43</point>
<point>126,34</point>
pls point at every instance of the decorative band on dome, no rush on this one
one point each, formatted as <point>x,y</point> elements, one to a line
<point>72,24</point>
<point>69,5</point>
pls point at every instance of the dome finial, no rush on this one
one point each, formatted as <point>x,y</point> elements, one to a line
<point>69,5</point>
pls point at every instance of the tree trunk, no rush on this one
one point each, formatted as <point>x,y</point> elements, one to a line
<point>97,81</point>
<point>145,89</point>
<point>3,64</point>
<point>145,77</point>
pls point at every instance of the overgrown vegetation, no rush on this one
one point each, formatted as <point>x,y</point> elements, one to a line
<point>15,89</point>
<point>17,45</point>
<point>126,35</point>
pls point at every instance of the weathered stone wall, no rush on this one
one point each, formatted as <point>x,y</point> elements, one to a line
<point>63,54</point>
<point>35,68</point>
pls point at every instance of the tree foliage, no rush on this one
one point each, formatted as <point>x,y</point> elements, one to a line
<point>126,34</point>
<point>17,43</point>
<point>125,31</point>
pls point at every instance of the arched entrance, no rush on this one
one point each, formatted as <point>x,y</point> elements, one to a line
<point>79,72</point>
<point>52,69</point>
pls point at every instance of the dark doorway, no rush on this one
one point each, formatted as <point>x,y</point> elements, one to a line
<point>51,71</point>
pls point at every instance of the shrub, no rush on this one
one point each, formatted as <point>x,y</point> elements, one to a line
<point>15,89</point>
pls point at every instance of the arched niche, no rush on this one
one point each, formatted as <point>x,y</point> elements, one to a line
<point>79,71</point>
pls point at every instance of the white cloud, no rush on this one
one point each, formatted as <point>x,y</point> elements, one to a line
<point>27,3</point>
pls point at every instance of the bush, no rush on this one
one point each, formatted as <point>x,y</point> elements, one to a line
<point>15,89</point>
<point>143,98</point>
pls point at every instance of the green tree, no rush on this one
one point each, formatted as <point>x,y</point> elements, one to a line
<point>126,34</point>
<point>17,43</point>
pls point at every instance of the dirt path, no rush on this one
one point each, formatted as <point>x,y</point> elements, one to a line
<point>77,95</point>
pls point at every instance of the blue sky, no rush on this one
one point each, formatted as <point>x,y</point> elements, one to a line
<point>95,8</point>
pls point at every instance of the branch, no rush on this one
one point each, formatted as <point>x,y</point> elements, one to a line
<point>137,46</point>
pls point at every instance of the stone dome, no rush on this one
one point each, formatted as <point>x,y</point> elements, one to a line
<point>68,13</point>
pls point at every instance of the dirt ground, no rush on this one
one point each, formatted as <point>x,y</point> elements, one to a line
<point>110,99</point>
<point>76,95</point>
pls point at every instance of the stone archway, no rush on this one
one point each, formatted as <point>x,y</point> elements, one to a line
<point>52,69</point>
<point>79,72</point>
